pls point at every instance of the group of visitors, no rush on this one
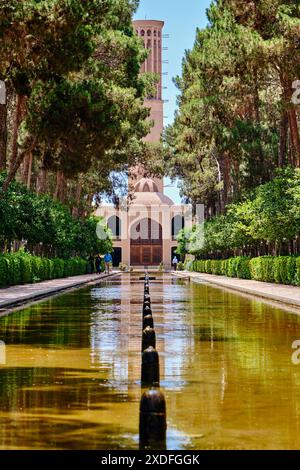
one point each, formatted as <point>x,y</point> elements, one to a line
<point>100,263</point>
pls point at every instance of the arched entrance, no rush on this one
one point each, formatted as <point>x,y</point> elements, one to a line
<point>146,244</point>
<point>117,257</point>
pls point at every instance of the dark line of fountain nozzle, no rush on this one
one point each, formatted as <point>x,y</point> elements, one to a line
<point>153,420</point>
<point>150,367</point>
<point>148,321</point>
<point>153,417</point>
<point>148,338</point>
<point>147,311</point>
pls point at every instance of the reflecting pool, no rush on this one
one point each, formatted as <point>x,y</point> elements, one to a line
<point>72,374</point>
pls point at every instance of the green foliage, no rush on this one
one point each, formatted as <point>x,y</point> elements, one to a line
<point>23,268</point>
<point>270,215</point>
<point>297,276</point>
<point>231,128</point>
<point>233,267</point>
<point>26,273</point>
<point>242,267</point>
<point>40,220</point>
<point>74,67</point>
<point>276,269</point>
<point>183,239</point>
<point>58,268</point>
<point>3,272</point>
<point>262,268</point>
<point>180,266</point>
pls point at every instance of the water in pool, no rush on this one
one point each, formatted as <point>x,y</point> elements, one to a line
<point>72,373</point>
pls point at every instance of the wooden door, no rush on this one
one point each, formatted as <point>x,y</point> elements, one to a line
<point>147,248</point>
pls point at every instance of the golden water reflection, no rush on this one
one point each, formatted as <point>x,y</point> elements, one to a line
<point>71,380</point>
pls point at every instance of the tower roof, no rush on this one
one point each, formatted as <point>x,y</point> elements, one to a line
<point>146,185</point>
<point>144,23</point>
<point>146,193</point>
<point>154,200</point>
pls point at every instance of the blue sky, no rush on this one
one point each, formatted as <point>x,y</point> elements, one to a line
<point>181,18</point>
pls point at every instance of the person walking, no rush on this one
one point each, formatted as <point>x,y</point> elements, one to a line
<point>175,263</point>
<point>91,265</point>
<point>98,262</point>
<point>107,260</point>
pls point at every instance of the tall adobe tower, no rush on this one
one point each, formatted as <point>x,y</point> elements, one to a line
<point>150,31</point>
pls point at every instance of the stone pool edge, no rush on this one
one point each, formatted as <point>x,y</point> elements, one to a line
<point>285,295</point>
<point>17,296</point>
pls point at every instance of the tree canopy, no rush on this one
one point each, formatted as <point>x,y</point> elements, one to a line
<point>72,68</point>
<point>236,123</point>
<point>266,222</point>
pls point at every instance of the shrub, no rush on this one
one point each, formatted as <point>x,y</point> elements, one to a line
<point>219,270</point>
<point>225,267</point>
<point>285,269</point>
<point>58,268</point>
<point>297,272</point>
<point>14,272</point>
<point>23,268</point>
<point>68,270</point>
<point>207,267</point>
<point>36,265</point>
<point>26,274</point>
<point>243,267</point>
<point>291,270</point>
<point>3,271</point>
<point>262,269</point>
<point>180,266</point>
<point>281,269</point>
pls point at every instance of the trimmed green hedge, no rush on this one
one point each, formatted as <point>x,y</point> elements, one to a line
<point>23,268</point>
<point>277,269</point>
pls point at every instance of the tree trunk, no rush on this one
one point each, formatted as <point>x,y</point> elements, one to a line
<point>236,188</point>
<point>27,170</point>
<point>29,173</point>
<point>3,136</point>
<point>218,161</point>
<point>18,117</point>
<point>225,172</point>
<point>41,182</point>
<point>294,135</point>
<point>16,165</point>
<point>257,117</point>
<point>76,208</point>
<point>283,139</point>
<point>256,100</point>
<point>292,117</point>
<point>60,188</point>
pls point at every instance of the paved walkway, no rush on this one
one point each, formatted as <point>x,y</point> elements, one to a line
<point>289,295</point>
<point>15,295</point>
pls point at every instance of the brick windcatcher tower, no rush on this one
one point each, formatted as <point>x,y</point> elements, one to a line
<point>150,32</point>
